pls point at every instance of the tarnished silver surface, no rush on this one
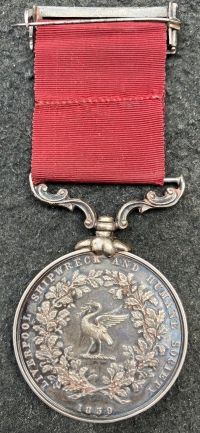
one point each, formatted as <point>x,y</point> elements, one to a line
<point>167,14</point>
<point>62,198</point>
<point>151,201</point>
<point>100,339</point>
<point>42,12</point>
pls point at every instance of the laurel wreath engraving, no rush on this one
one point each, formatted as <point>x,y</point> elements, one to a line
<point>65,370</point>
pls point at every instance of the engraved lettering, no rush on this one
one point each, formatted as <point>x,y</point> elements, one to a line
<point>35,297</point>
<point>25,335</point>
<point>163,294</point>
<point>88,409</point>
<point>27,353</point>
<point>45,283</point>
<point>175,343</point>
<point>34,372</point>
<point>171,361</point>
<point>79,408</point>
<point>173,352</point>
<point>168,367</point>
<point>38,378</point>
<point>168,304</point>
<point>24,344</point>
<point>99,410</point>
<point>59,270</point>
<point>39,289</point>
<point>68,266</point>
<point>158,286</point>
<point>115,262</point>
<point>150,279</point>
<point>163,375</point>
<point>78,262</point>
<point>125,263</point>
<point>151,391</point>
<point>174,325</point>
<point>44,384</point>
<point>87,260</point>
<point>25,326</point>
<point>135,267</point>
<point>51,278</point>
<point>158,384</point>
<point>173,314</point>
<point>96,259</point>
<point>103,296</point>
<point>30,362</point>
<point>27,317</point>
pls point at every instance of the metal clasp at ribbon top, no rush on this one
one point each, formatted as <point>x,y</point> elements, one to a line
<point>77,15</point>
<point>111,119</point>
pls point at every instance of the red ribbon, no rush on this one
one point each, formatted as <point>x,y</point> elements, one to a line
<point>99,103</point>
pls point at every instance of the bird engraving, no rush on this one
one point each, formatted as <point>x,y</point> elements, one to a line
<point>97,331</point>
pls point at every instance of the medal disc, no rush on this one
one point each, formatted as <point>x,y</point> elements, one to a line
<point>100,339</point>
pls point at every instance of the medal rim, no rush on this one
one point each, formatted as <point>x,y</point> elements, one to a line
<point>26,374</point>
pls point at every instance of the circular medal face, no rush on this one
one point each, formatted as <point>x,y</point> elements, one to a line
<point>100,339</point>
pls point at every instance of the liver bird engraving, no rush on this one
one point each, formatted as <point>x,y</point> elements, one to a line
<point>97,331</point>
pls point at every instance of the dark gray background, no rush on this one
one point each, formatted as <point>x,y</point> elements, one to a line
<point>33,234</point>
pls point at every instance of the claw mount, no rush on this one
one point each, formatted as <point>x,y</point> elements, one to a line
<point>170,197</point>
<point>103,242</point>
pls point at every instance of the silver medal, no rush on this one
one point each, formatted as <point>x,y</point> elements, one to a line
<point>100,335</point>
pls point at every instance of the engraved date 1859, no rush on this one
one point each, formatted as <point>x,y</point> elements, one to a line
<point>95,410</point>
